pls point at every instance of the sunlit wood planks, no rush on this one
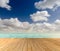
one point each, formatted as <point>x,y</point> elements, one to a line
<point>29,44</point>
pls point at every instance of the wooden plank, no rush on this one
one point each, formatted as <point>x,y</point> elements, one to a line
<point>29,44</point>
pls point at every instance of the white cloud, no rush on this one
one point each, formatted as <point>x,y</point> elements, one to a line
<point>40,16</point>
<point>50,4</point>
<point>14,25</point>
<point>57,21</point>
<point>4,4</point>
<point>43,27</point>
<point>57,25</point>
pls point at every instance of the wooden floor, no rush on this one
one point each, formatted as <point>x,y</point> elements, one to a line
<point>29,44</point>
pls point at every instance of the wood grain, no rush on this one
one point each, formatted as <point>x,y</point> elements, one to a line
<point>29,44</point>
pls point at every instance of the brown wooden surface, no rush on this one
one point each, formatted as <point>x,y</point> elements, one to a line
<point>27,44</point>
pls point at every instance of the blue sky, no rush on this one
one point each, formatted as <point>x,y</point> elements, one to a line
<point>23,8</point>
<point>20,9</point>
<point>32,15</point>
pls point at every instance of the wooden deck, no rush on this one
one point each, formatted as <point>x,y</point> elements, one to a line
<point>29,44</point>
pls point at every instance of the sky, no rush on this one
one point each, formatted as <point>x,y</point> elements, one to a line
<point>19,8</point>
<point>30,15</point>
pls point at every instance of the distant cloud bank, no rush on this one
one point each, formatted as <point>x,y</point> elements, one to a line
<point>14,25</point>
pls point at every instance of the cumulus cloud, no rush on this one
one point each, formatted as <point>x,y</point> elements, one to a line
<point>57,25</point>
<point>5,4</point>
<point>46,27</point>
<point>40,16</point>
<point>48,4</point>
<point>57,21</point>
<point>14,25</point>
